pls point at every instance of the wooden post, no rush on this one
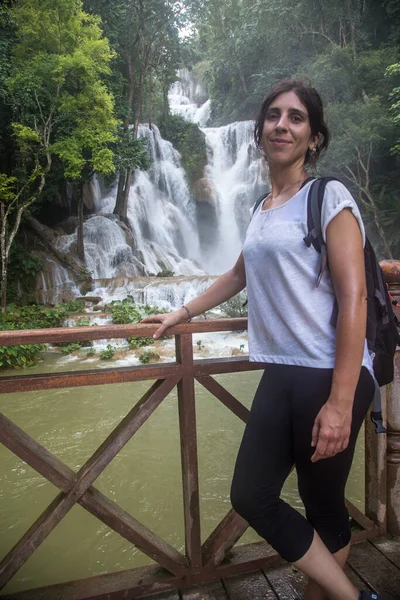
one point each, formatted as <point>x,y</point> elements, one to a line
<point>375,471</point>
<point>393,451</point>
<point>190,471</point>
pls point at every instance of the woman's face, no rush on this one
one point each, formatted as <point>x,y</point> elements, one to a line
<point>287,133</point>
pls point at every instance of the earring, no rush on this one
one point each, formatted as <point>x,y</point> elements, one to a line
<point>313,150</point>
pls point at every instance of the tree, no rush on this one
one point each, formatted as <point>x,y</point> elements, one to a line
<point>149,28</point>
<point>391,72</point>
<point>17,195</point>
<point>59,103</point>
<point>362,133</point>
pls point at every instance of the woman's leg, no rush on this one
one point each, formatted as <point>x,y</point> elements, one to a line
<point>264,461</point>
<point>313,590</point>
<point>322,484</point>
<point>319,564</point>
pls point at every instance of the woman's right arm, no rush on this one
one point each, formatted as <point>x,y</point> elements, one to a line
<point>227,285</point>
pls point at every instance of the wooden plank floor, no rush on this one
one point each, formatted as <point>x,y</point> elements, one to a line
<point>372,565</point>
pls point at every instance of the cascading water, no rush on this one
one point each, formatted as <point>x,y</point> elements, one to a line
<point>235,173</point>
<point>162,233</point>
<point>188,98</point>
<point>164,230</point>
<point>161,217</point>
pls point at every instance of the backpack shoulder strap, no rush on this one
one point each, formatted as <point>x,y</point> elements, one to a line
<point>259,201</point>
<point>314,235</point>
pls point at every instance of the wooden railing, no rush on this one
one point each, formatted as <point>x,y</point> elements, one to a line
<point>216,557</point>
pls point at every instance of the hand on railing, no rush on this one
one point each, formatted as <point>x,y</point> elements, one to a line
<point>167,320</point>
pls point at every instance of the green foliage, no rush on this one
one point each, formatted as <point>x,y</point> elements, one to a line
<point>23,269</point>
<point>189,140</point>
<point>149,355</point>
<point>19,357</point>
<point>108,353</point>
<point>250,45</point>
<point>130,152</point>
<point>72,347</point>
<point>83,322</point>
<point>34,317</point>
<point>7,188</point>
<point>393,72</point>
<point>138,342</point>
<point>127,311</point>
<point>74,306</point>
<point>165,273</point>
<point>56,81</point>
<point>235,307</point>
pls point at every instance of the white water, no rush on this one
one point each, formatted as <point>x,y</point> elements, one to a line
<point>163,229</point>
<point>188,98</point>
<point>236,172</point>
<point>168,293</point>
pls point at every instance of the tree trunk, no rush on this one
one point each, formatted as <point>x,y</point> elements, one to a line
<point>150,99</point>
<point>46,236</point>
<point>3,284</point>
<point>4,260</point>
<point>80,242</point>
<point>388,252</point>
<point>120,193</point>
<point>139,102</point>
<point>121,204</point>
<point>165,109</point>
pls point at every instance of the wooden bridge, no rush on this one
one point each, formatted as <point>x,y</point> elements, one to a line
<point>216,568</point>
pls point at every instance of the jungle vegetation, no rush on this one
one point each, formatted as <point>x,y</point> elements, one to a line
<point>78,76</point>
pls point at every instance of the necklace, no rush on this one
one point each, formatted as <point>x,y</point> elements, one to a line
<point>269,199</point>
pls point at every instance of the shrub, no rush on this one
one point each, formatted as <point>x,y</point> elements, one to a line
<point>69,348</point>
<point>22,270</point>
<point>165,273</point>
<point>148,355</point>
<point>108,353</point>
<point>18,357</point>
<point>73,306</point>
<point>138,342</point>
<point>190,142</point>
<point>127,311</point>
<point>235,307</point>
<point>33,317</point>
<point>83,323</point>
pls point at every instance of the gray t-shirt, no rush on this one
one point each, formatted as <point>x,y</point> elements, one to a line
<point>289,317</point>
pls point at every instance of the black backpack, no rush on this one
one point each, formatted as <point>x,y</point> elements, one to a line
<point>382,324</point>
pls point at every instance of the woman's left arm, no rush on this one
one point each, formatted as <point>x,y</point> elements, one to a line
<point>332,426</point>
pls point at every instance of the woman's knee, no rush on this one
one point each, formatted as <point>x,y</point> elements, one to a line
<point>250,503</point>
<point>241,500</point>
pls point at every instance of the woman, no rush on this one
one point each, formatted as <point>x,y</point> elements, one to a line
<point>317,385</point>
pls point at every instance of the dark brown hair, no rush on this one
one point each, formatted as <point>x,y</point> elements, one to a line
<point>313,103</point>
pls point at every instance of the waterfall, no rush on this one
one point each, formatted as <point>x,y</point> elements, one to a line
<point>188,98</point>
<point>162,229</point>
<point>168,293</point>
<point>237,175</point>
<point>169,227</point>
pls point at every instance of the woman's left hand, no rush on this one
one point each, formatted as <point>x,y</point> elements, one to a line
<point>331,431</point>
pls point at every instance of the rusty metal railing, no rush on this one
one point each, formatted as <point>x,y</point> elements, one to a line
<point>217,557</point>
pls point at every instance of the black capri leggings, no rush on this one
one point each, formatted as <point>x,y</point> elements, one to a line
<point>278,436</point>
